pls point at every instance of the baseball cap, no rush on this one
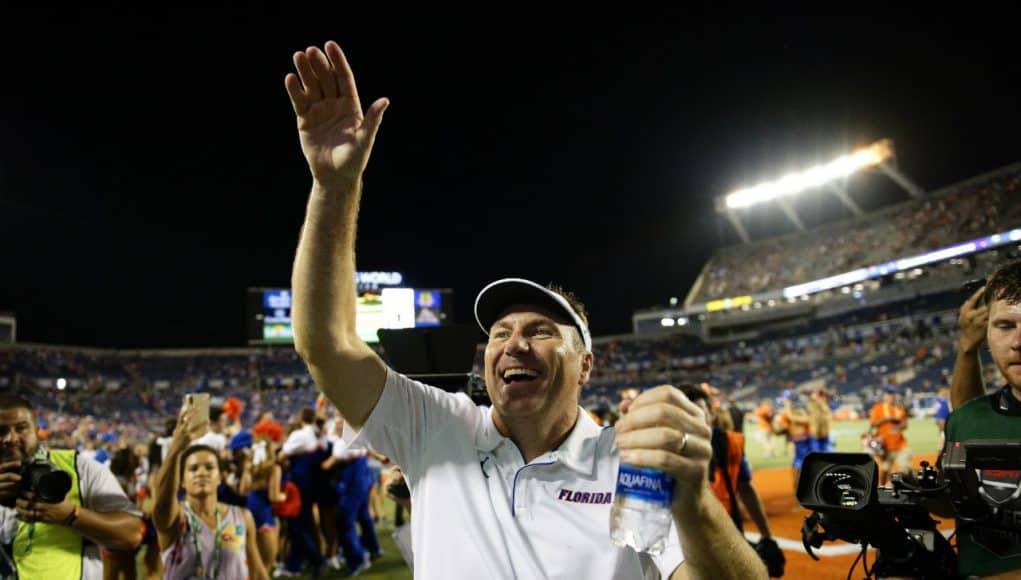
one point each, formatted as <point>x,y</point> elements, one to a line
<point>497,296</point>
<point>891,389</point>
<point>240,441</point>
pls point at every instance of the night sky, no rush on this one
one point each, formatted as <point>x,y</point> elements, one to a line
<point>150,172</point>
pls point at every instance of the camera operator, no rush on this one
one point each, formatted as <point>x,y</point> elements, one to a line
<point>983,550</point>
<point>57,539</point>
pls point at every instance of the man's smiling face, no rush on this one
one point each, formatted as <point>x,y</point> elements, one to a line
<point>535,362</point>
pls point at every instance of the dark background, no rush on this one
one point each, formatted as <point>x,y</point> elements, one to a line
<point>150,169</point>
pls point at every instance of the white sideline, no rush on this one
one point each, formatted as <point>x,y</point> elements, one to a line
<point>789,545</point>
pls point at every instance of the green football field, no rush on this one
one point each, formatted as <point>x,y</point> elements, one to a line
<point>390,566</point>
<point>922,436</point>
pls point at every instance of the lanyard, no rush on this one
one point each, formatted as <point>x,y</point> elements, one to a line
<point>40,453</point>
<point>193,523</point>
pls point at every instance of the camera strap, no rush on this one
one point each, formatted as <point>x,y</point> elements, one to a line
<point>8,562</point>
<point>40,453</point>
<point>196,528</point>
<point>1005,403</point>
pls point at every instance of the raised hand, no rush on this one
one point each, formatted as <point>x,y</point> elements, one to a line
<point>10,482</point>
<point>973,320</point>
<point>187,428</point>
<point>336,136</point>
<point>664,430</point>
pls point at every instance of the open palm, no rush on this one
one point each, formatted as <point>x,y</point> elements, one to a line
<point>336,137</point>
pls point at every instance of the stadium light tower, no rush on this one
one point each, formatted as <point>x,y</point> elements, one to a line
<point>829,174</point>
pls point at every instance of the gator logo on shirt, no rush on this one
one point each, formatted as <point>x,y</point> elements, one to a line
<point>572,496</point>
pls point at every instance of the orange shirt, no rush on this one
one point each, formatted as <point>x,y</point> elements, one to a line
<point>765,416</point>
<point>890,431</point>
<point>735,452</point>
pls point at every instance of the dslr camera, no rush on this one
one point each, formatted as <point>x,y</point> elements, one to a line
<point>47,483</point>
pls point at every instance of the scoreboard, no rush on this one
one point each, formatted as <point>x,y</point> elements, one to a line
<point>379,306</point>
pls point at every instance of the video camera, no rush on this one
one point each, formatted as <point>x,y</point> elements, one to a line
<point>984,476</point>
<point>847,504</point>
<point>979,483</point>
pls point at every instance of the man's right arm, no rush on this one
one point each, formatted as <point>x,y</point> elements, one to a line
<point>966,383</point>
<point>336,139</point>
<point>343,367</point>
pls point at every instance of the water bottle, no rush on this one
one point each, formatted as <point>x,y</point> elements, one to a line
<point>641,516</point>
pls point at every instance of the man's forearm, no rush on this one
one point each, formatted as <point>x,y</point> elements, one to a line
<point>114,530</point>
<point>323,280</point>
<point>966,382</point>
<point>343,367</point>
<point>752,502</point>
<point>712,546</point>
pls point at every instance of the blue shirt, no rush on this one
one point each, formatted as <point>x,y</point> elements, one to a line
<point>942,409</point>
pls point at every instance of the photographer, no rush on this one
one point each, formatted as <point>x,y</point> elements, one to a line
<point>983,549</point>
<point>61,538</point>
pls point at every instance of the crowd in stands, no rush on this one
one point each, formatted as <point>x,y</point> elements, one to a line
<point>914,228</point>
<point>856,353</point>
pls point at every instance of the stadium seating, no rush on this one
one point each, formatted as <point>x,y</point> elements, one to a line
<point>854,353</point>
<point>909,229</point>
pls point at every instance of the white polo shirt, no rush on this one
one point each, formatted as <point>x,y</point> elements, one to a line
<point>481,512</point>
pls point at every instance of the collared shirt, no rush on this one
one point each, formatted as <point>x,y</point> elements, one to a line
<point>481,512</point>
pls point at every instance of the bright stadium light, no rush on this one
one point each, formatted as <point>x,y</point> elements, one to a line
<point>667,321</point>
<point>61,384</point>
<point>793,183</point>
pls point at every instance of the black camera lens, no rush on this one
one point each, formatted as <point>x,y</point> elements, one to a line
<point>843,487</point>
<point>49,484</point>
<point>53,487</point>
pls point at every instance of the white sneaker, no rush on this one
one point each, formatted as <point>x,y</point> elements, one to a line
<point>334,563</point>
<point>285,573</point>
<point>357,571</point>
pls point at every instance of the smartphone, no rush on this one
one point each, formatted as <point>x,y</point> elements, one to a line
<point>199,403</point>
<point>971,286</point>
